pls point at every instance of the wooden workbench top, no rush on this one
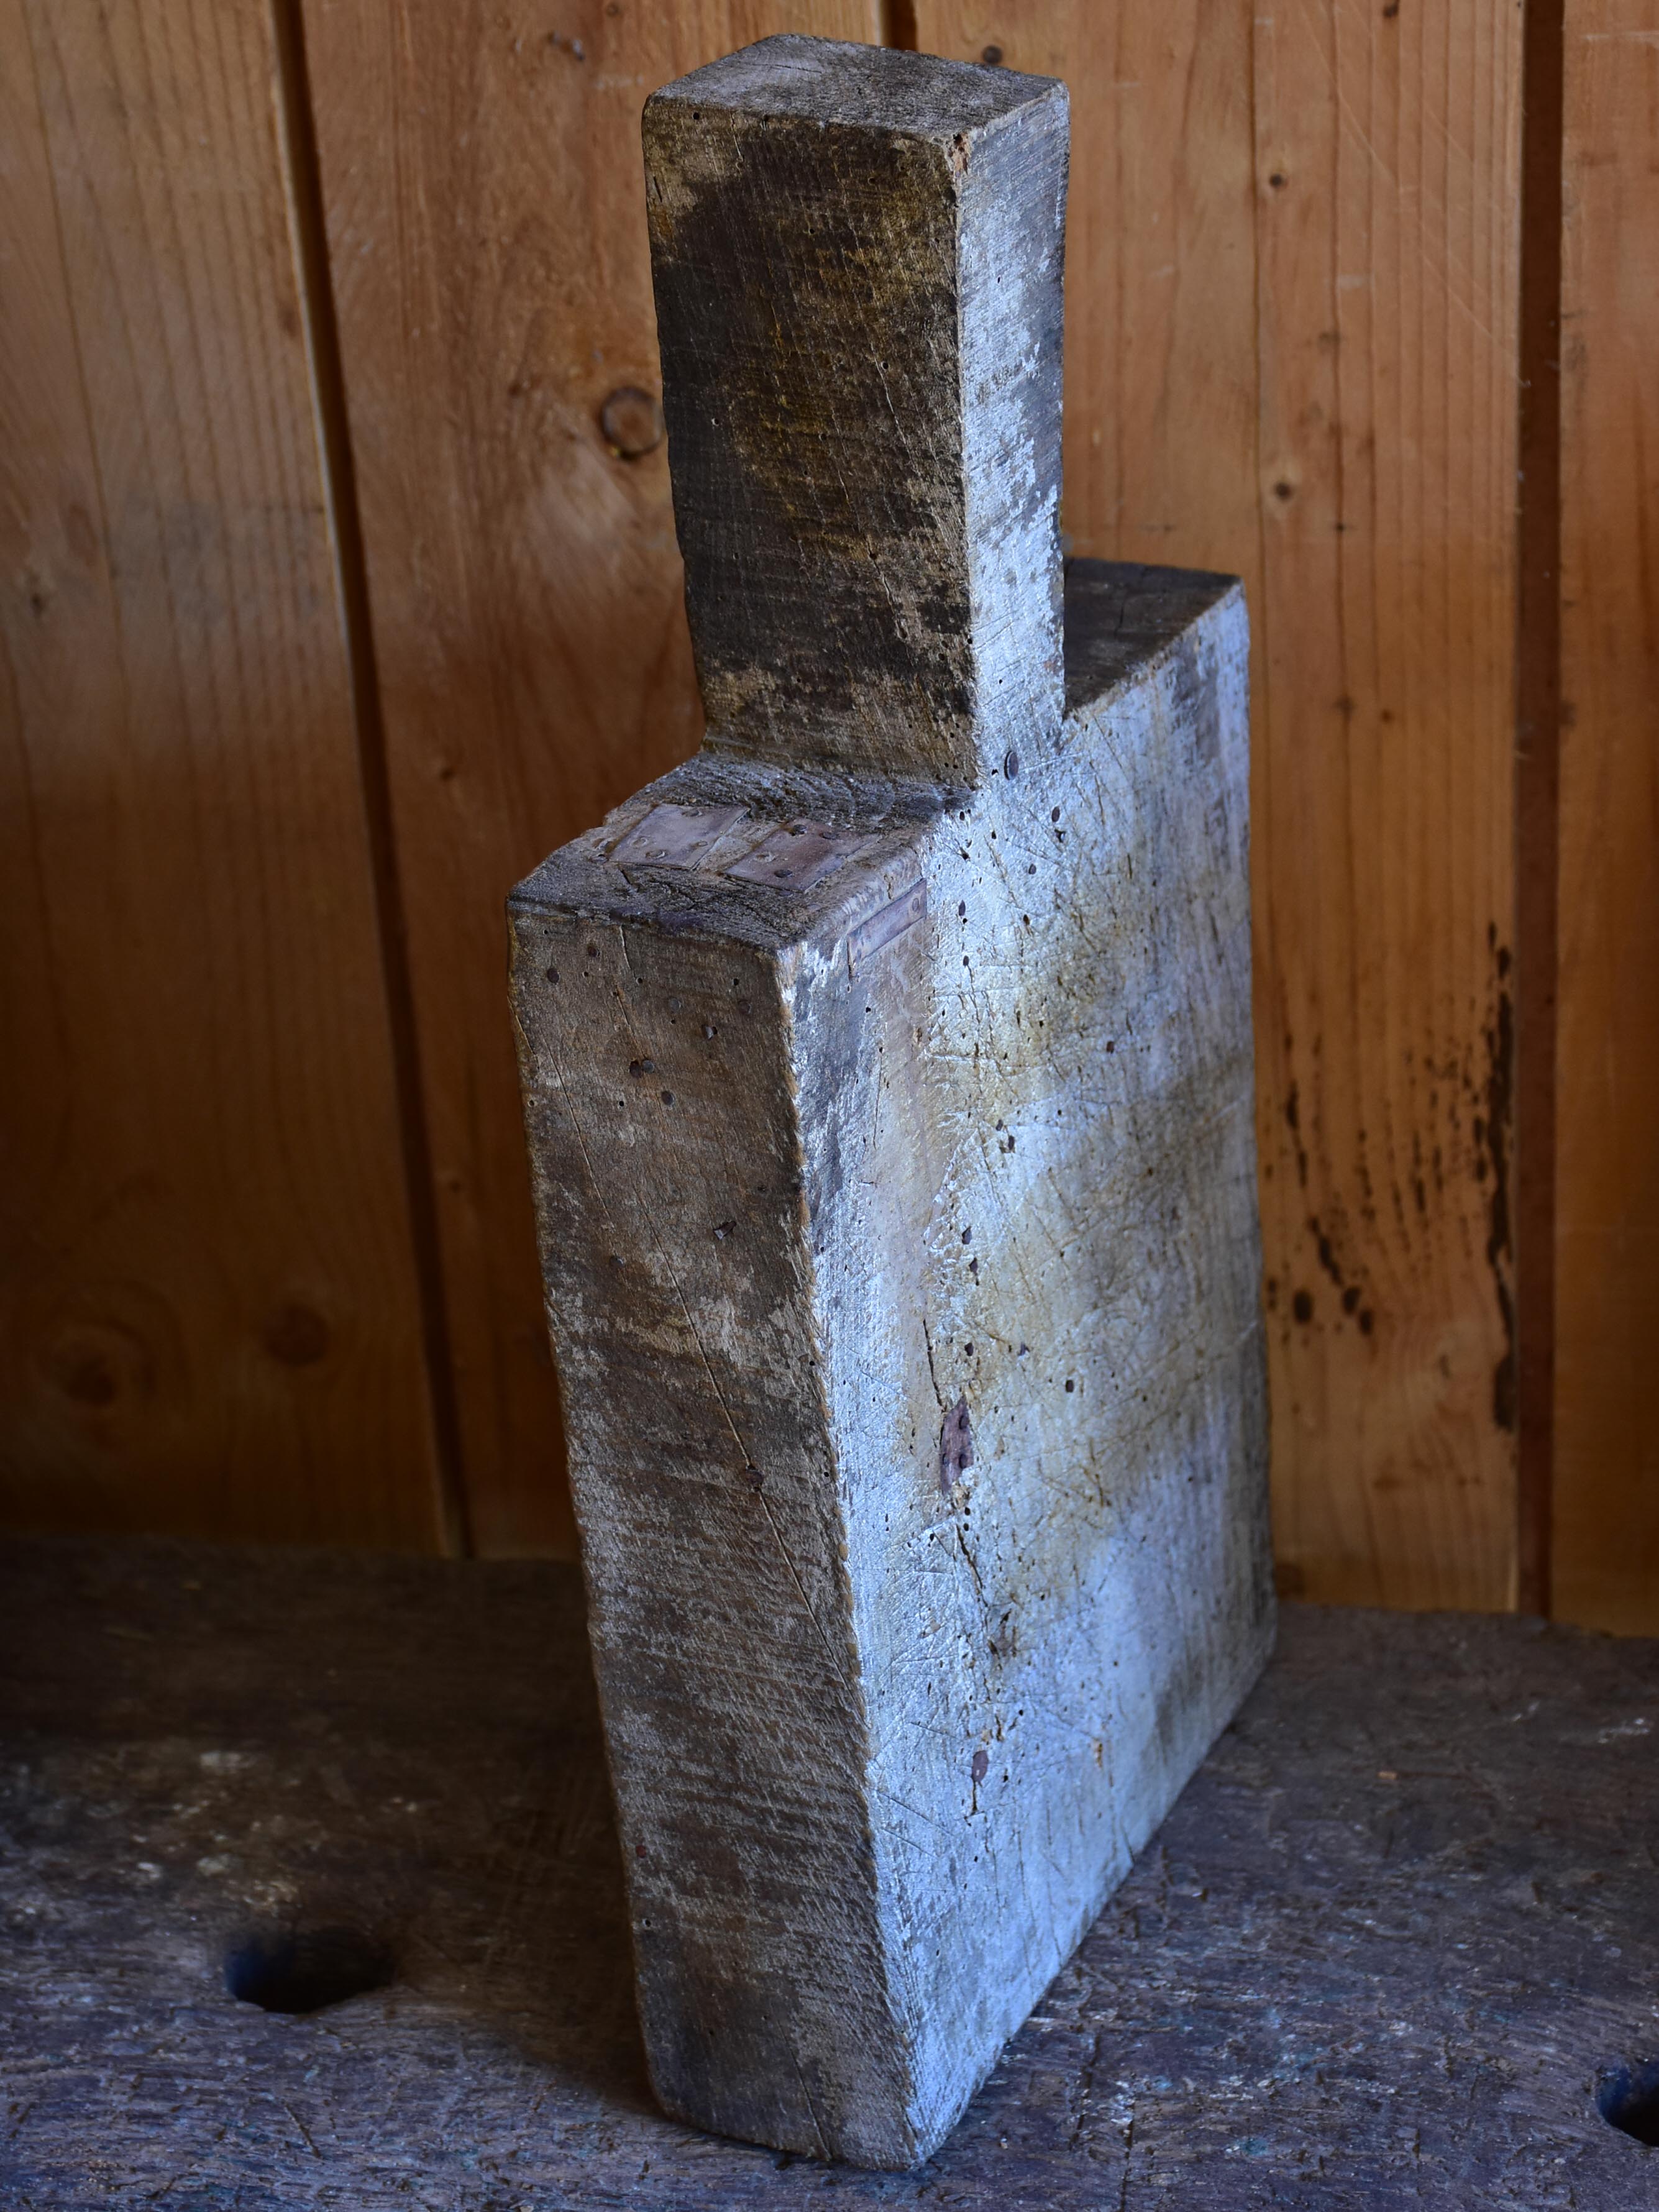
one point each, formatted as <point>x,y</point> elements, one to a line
<point>1379,1955</point>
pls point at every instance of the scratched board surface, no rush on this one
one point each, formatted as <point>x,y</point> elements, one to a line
<point>1374,1959</point>
<point>902,1274</point>
<point>903,1280</point>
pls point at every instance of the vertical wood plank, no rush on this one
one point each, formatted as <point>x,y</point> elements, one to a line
<point>208,1319</point>
<point>1388,173</point>
<point>1606,1455</point>
<point>1292,266</point>
<point>485,208</point>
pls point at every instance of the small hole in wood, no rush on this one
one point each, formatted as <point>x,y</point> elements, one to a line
<point>1627,2098</point>
<point>299,1970</point>
<point>956,1447</point>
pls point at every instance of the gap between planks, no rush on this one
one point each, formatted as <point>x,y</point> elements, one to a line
<point>303,177</point>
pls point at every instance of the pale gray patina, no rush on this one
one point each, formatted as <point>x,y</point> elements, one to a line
<point>888,1079</point>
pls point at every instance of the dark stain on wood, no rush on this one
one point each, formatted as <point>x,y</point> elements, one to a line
<point>1293,1122</point>
<point>1328,1259</point>
<point>956,1445</point>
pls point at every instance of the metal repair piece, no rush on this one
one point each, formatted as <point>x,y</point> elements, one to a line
<point>887,1074</point>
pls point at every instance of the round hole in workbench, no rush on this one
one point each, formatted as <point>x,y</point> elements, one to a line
<point>1627,2098</point>
<point>306,1970</point>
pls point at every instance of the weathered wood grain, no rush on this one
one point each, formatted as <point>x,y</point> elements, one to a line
<point>1292,356</point>
<point>888,1082</point>
<point>487,236</point>
<point>870,584</point>
<point>209,1308</point>
<point>1376,1958</point>
<point>1607,1462</point>
<point>797,1215</point>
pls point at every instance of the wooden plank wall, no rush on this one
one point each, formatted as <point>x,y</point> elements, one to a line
<point>1606,1447</point>
<point>352,607</point>
<point>211,1314</point>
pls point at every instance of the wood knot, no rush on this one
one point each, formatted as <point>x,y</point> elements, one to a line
<point>296,1335</point>
<point>632,423</point>
<point>98,1365</point>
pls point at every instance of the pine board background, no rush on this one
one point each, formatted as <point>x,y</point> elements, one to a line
<point>327,608</point>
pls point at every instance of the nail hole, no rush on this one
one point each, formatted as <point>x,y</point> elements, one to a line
<point>307,1970</point>
<point>1627,2098</point>
<point>991,56</point>
<point>956,1447</point>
